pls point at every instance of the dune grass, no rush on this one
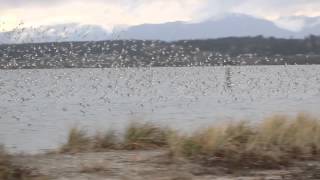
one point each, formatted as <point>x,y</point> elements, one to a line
<point>78,141</point>
<point>10,172</point>
<point>5,166</point>
<point>107,140</point>
<point>276,141</point>
<point>138,135</point>
<point>145,136</point>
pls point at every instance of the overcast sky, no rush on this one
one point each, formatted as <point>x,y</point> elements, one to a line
<point>112,13</point>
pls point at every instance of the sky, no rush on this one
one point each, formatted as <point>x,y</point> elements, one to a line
<point>121,13</point>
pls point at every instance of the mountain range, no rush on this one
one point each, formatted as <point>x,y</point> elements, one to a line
<point>234,25</point>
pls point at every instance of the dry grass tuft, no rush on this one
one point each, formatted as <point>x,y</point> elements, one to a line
<point>276,141</point>
<point>5,166</point>
<point>10,172</point>
<point>136,136</point>
<point>105,141</point>
<point>145,136</point>
<point>78,141</point>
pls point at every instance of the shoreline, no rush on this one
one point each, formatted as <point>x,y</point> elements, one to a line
<point>149,164</point>
<point>279,148</point>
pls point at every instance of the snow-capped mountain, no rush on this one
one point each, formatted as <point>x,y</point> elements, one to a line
<point>236,25</point>
<point>55,33</point>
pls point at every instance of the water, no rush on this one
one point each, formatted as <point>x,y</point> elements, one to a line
<point>37,107</point>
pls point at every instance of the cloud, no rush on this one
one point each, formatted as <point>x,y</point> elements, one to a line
<point>23,3</point>
<point>112,13</point>
<point>274,9</point>
<point>283,13</point>
<point>106,13</point>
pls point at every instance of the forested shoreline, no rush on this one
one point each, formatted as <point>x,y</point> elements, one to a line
<point>147,53</point>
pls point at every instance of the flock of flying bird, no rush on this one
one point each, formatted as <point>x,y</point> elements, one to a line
<point>45,52</point>
<point>142,86</point>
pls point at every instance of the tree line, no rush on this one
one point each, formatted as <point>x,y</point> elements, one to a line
<point>142,53</point>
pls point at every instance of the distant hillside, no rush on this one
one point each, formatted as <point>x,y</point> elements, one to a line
<point>234,25</point>
<point>139,53</point>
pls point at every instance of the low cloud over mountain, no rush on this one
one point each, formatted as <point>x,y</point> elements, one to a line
<point>235,25</point>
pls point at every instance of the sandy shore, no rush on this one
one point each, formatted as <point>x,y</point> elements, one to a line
<point>153,164</point>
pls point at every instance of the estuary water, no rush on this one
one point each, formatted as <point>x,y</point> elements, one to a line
<point>37,107</point>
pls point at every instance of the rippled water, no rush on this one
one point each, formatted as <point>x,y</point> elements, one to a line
<point>38,106</point>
